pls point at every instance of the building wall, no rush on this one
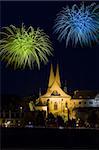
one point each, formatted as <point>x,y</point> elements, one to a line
<point>58,105</point>
<point>84,103</point>
<point>44,108</point>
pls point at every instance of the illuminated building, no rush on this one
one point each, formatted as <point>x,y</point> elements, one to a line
<point>58,102</point>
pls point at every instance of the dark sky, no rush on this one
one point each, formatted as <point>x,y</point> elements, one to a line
<point>79,66</point>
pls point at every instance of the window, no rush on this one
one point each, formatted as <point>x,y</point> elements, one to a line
<point>44,102</point>
<point>79,102</point>
<point>90,102</point>
<point>55,93</point>
<point>84,102</point>
<point>47,101</point>
<point>55,106</point>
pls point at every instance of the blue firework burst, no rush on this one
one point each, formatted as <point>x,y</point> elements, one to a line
<point>78,25</point>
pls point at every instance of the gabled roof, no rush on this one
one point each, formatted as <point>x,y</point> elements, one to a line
<point>55,88</point>
<point>57,77</point>
<point>54,85</point>
<point>52,78</point>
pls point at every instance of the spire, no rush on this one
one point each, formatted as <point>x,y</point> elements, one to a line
<point>57,77</point>
<point>39,92</point>
<point>65,86</point>
<point>51,77</point>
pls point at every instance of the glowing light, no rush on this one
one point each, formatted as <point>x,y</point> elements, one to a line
<point>21,47</point>
<point>7,123</point>
<point>79,25</point>
<point>21,108</point>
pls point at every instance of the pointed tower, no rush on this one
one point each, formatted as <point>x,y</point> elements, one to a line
<point>51,77</point>
<point>40,92</point>
<point>57,77</point>
<point>65,86</point>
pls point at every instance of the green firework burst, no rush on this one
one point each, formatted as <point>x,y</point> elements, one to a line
<point>23,47</point>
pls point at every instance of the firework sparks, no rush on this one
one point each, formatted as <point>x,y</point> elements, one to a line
<point>21,47</point>
<point>78,25</point>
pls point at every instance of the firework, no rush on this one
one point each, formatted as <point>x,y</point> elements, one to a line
<point>23,47</point>
<point>78,25</point>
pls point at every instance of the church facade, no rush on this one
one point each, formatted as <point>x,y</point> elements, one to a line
<point>58,102</point>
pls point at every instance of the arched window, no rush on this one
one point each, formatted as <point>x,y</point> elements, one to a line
<point>66,105</point>
<point>55,106</point>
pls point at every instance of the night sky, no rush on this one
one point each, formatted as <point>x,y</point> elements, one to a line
<point>78,66</point>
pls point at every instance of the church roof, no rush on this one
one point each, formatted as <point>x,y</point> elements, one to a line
<point>53,77</point>
<point>54,85</point>
<point>85,94</point>
<point>97,97</point>
<point>57,77</point>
